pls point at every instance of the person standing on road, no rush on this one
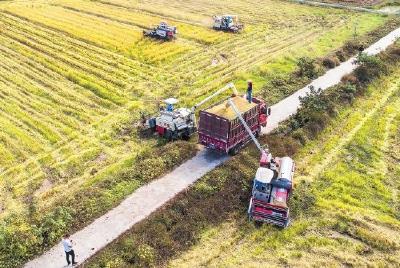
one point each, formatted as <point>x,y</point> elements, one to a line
<point>67,244</point>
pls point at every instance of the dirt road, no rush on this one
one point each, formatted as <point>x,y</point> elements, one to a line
<point>150,197</point>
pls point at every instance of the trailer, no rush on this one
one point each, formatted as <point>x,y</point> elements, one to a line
<point>221,129</point>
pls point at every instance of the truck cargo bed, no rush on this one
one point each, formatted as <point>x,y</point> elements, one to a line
<point>221,129</point>
<point>224,111</point>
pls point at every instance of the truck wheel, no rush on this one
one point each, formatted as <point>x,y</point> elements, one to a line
<point>186,135</point>
<point>258,224</point>
<point>234,151</point>
<point>168,135</point>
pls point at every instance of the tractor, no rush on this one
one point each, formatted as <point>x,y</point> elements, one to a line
<point>162,31</point>
<point>227,23</point>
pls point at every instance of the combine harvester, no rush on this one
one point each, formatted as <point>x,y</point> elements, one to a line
<point>162,31</point>
<point>272,184</point>
<point>227,23</point>
<point>272,188</point>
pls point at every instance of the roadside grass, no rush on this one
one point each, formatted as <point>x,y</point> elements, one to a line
<point>347,213</point>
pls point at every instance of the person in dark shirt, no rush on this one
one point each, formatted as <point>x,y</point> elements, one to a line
<point>249,95</point>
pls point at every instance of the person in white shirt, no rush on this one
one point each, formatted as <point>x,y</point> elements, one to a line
<point>67,244</point>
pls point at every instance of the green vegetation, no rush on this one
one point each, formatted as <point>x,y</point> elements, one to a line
<point>345,206</point>
<point>75,77</point>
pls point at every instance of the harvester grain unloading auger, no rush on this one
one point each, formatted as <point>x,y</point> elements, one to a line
<point>272,185</point>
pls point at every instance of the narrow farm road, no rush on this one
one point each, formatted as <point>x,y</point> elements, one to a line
<point>149,198</point>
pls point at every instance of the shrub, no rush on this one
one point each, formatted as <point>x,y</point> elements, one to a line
<point>317,120</point>
<point>145,256</point>
<point>349,78</point>
<point>370,67</point>
<point>307,67</point>
<point>347,92</point>
<point>340,55</point>
<point>330,62</point>
<point>299,135</point>
<point>54,224</point>
<point>115,263</point>
<point>353,46</point>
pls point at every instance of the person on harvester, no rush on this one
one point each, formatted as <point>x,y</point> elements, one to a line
<point>249,96</point>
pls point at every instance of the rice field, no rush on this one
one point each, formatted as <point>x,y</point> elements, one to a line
<point>76,75</point>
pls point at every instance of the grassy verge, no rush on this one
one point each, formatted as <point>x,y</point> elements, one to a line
<point>346,203</point>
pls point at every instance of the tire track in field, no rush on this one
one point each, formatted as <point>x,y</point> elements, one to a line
<point>186,39</point>
<point>69,60</point>
<point>103,56</point>
<point>226,74</point>
<point>44,114</point>
<point>30,68</point>
<point>242,45</point>
<point>61,45</point>
<point>41,110</point>
<point>238,62</point>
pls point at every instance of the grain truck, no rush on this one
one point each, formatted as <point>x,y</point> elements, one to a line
<point>220,128</point>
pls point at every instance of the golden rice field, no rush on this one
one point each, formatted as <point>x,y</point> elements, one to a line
<point>74,76</point>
